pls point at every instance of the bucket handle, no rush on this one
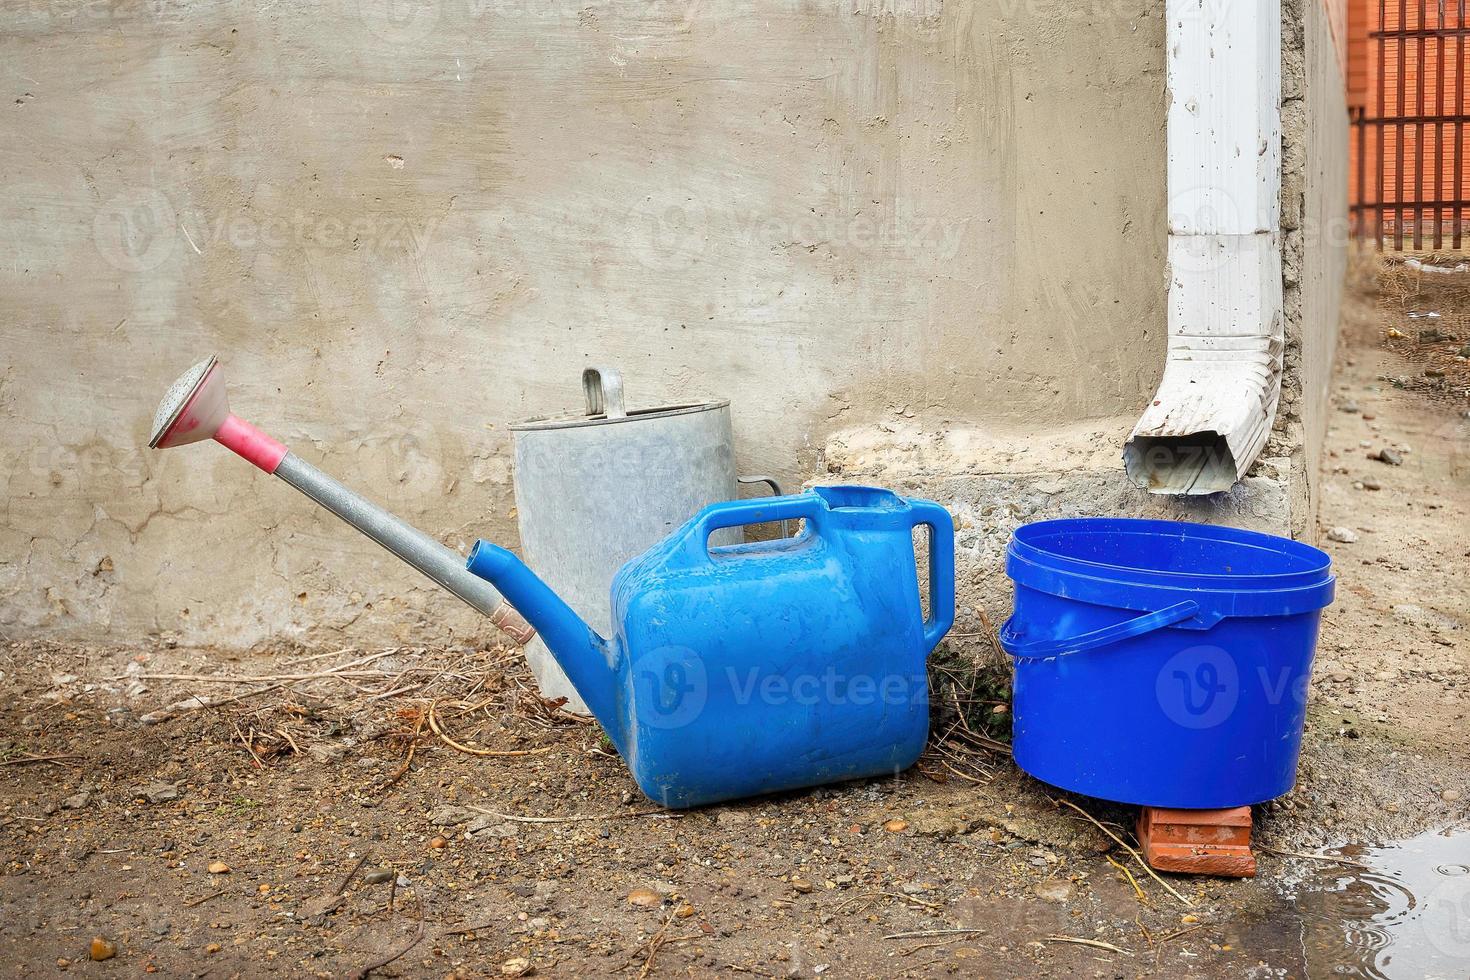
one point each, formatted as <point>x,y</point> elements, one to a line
<point>1050,649</point>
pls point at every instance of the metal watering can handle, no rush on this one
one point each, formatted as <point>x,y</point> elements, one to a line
<point>604,390</point>
<point>1049,649</point>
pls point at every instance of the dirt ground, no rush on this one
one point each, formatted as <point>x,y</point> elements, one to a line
<point>345,856</point>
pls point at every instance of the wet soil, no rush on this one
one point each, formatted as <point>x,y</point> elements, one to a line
<point>340,860</point>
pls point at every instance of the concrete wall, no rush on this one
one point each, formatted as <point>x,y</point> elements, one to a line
<point>403,224</point>
<point>1314,219</point>
<point>1325,225</point>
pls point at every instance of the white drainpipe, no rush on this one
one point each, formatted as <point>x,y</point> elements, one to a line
<point>1222,376</point>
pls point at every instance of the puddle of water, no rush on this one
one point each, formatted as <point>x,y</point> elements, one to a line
<point>1401,911</point>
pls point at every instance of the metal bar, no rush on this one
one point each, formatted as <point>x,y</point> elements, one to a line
<point>444,565</point>
<point>1361,132</point>
<point>1447,202</point>
<point>1430,32</point>
<point>1398,174</point>
<point>1439,132</point>
<point>1459,108</point>
<point>1386,120</point>
<point>1420,83</point>
<point>1382,111</point>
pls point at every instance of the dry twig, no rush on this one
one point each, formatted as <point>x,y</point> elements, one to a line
<point>200,901</point>
<point>378,964</point>
<point>413,743</point>
<point>1177,933</point>
<point>1131,880</point>
<point>470,750</point>
<point>1078,941</point>
<point>26,760</point>
<point>195,703</point>
<point>578,818</point>
<point>657,941</point>
<point>1330,859</point>
<point>994,638</point>
<point>928,933</point>
<point>1136,856</point>
<point>353,873</point>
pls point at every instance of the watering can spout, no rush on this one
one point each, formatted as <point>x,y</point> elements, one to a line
<point>197,408</point>
<point>582,653</point>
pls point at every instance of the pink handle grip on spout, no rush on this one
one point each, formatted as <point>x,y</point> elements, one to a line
<point>245,440</point>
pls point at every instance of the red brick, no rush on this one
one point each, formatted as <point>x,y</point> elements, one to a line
<point>1207,842</point>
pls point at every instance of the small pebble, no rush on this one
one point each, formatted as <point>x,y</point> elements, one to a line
<point>896,826</point>
<point>802,886</point>
<point>103,949</point>
<point>1450,796</point>
<point>1345,535</point>
<point>379,877</point>
<point>1386,455</point>
<point>645,898</point>
<point>1053,891</point>
<point>159,792</point>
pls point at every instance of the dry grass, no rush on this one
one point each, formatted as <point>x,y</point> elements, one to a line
<point>411,693</point>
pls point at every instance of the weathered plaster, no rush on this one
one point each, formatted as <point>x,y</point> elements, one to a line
<point>401,234</point>
<point>1314,256</point>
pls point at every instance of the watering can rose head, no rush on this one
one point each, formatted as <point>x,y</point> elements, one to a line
<point>752,668</point>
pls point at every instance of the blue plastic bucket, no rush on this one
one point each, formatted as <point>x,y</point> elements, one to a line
<point>1162,663</point>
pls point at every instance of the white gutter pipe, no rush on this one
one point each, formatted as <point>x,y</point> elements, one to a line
<point>1222,375</point>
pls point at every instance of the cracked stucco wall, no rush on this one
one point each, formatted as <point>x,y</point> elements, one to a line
<point>403,225</point>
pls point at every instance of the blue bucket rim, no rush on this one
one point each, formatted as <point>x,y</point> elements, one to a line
<point>1269,543</point>
<point>1124,586</point>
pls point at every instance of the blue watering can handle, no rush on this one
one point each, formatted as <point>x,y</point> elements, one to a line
<point>941,569</point>
<point>737,513</point>
<point>1051,649</point>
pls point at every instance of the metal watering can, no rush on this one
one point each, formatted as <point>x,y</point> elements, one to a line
<point>596,488</point>
<point>734,670</point>
<point>752,668</point>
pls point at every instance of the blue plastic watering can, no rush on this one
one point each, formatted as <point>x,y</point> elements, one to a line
<point>754,668</point>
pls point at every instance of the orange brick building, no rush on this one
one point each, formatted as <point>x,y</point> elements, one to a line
<point>1410,145</point>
